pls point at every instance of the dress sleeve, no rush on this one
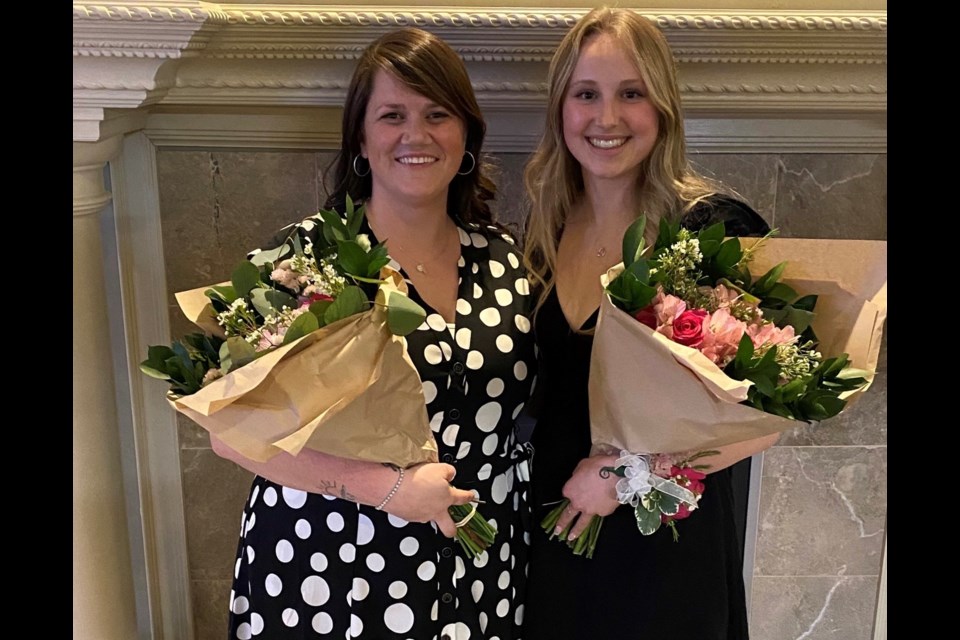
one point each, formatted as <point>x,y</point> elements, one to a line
<point>738,218</point>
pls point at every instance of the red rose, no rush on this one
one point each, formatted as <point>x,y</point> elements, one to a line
<point>688,327</point>
<point>647,317</point>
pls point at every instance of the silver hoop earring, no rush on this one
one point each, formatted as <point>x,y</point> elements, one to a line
<point>473,165</point>
<point>360,175</point>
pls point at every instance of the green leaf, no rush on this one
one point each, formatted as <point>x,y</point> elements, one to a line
<point>153,372</point>
<point>223,293</point>
<point>709,248</point>
<point>236,352</point>
<point>640,270</point>
<point>354,218</point>
<point>271,256</point>
<point>403,314</point>
<point>334,224</point>
<point>781,291</point>
<point>744,351</point>
<point>729,254</point>
<point>319,309</point>
<point>302,325</point>
<point>767,280</point>
<point>245,277</point>
<point>807,303</point>
<point>271,301</point>
<point>667,234</point>
<point>352,257</point>
<point>647,521</point>
<point>633,242</point>
<point>668,504</point>
<point>799,319</point>
<point>714,232</point>
<point>157,355</point>
<point>351,301</point>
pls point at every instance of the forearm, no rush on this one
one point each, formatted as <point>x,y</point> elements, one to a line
<point>315,472</point>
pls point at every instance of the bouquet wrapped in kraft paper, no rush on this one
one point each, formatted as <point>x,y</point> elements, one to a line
<point>649,393</point>
<point>347,389</point>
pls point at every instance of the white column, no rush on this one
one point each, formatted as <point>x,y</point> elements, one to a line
<point>103,601</point>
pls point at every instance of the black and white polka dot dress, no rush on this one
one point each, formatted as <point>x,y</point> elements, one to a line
<point>314,566</point>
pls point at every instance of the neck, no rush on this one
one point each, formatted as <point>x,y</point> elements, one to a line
<point>430,222</point>
<point>607,202</point>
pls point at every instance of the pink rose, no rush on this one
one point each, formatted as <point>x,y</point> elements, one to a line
<point>688,327</point>
<point>306,301</point>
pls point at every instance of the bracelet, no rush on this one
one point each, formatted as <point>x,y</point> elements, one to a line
<point>393,491</point>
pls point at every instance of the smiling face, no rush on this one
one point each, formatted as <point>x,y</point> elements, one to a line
<point>610,125</point>
<point>415,146</point>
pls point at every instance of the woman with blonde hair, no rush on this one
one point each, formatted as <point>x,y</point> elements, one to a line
<point>613,148</point>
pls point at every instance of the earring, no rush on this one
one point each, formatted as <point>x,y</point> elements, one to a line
<point>473,165</point>
<point>361,175</point>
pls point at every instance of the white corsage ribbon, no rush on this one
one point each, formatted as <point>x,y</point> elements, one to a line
<point>637,481</point>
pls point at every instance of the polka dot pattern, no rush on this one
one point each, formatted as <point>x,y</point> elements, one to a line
<point>322,566</point>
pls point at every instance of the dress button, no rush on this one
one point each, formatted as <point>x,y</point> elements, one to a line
<point>446,552</point>
<point>453,414</point>
<point>458,368</point>
<point>447,457</point>
<point>447,598</point>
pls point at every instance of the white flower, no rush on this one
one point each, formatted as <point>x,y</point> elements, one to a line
<point>364,241</point>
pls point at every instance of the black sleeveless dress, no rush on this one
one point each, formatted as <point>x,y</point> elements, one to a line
<point>635,586</point>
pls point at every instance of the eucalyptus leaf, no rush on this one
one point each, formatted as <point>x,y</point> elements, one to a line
<point>236,352</point>
<point>302,325</point>
<point>245,277</point>
<point>403,314</point>
<point>271,301</point>
<point>319,309</point>
<point>153,372</point>
<point>224,293</point>
<point>351,301</point>
<point>271,256</point>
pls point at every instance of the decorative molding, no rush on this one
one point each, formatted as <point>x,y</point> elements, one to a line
<point>200,12</point>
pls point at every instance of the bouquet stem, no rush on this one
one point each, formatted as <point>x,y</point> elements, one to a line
<point>476,534</point>
<point>585,543</point>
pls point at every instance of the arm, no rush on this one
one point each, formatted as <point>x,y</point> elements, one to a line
<point>592,491</point>
<point>423,496</point>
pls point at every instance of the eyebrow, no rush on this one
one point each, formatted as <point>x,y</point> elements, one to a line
<point>392,105</point>
<point>591,82</point>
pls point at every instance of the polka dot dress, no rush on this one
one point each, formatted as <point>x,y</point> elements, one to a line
<point>315,566</point>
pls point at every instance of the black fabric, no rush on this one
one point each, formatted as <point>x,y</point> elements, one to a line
<point>635,586</point>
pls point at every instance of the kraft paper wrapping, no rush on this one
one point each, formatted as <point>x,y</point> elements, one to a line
<point>348,389</point>
<point>643,402</point>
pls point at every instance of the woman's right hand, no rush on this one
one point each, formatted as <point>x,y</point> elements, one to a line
<point>425,495</point>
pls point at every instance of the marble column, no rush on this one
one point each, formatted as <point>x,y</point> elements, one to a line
<point>103,598</point>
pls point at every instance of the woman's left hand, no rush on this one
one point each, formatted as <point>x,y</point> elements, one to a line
<point>590,494</point>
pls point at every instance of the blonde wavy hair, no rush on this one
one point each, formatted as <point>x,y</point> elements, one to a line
<point>667,186</point>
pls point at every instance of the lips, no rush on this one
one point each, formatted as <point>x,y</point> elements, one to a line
<point>416,160</point>
<point>606,143</point>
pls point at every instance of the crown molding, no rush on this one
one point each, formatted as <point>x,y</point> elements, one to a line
<point>184,54</point>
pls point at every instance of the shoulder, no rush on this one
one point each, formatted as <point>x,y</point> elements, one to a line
<point>488,235</point>
<point>739,219</point>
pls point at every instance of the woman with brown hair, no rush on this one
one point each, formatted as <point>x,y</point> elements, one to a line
<point>344,548</point>
<point>613,148</point>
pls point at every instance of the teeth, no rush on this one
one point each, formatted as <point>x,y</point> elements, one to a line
<point>417,160</point>
<point>606,144</point>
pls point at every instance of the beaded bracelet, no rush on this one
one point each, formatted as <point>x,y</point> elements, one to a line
<point>393,491</point>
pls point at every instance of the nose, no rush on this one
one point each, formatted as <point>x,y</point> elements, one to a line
<point>415,131</point>
<point>609,113</point>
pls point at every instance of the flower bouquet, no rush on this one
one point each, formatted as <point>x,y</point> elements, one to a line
<point>303,348</point>
<point>733,347</point>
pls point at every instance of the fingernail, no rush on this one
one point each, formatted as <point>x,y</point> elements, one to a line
<point>557,531</point>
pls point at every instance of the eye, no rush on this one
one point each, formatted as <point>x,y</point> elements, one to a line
<point>585,94</point>
<point>438,115</point>
<point>391,115</point>
<point>634,94</point>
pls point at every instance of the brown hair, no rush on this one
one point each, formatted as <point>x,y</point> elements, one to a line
<point>428,65</point>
